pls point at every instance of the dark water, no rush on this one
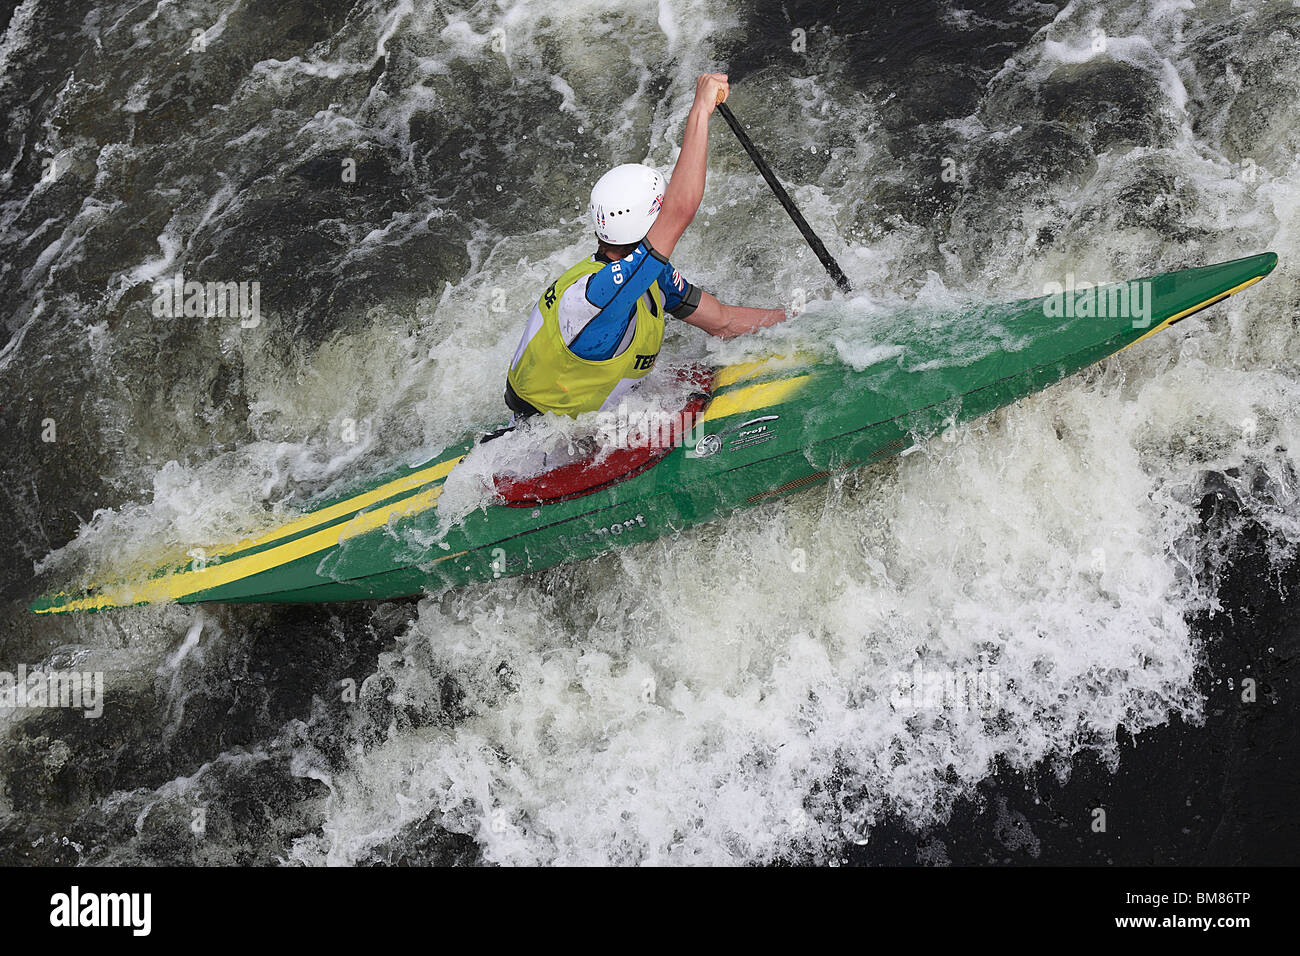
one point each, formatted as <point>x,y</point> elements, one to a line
<point>505,724</point>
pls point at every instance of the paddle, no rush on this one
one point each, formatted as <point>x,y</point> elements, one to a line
<point>783,197</point>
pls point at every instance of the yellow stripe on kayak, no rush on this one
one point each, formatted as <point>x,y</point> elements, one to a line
<point>731,374</point>
<point>754,397</point>
<point>350,506</point>
<point>184,583</point>
<point>1186,312</point>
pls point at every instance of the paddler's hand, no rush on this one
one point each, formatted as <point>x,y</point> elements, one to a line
<point>710,90</point>
<point>686,186</point>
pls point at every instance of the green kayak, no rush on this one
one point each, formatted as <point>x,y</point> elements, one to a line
<point>758,430</point>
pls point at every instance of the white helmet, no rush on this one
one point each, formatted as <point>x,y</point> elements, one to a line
<point>625,203</point>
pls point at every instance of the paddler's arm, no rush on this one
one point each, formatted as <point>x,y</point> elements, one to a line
<point>685,189</point>
<point>718,318</point>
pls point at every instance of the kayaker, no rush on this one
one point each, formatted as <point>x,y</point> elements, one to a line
<point>596,330</point>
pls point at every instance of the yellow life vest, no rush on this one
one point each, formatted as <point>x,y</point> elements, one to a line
<point>552,379</point>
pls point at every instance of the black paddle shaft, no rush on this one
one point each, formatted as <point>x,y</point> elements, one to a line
<point>783,197</point>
